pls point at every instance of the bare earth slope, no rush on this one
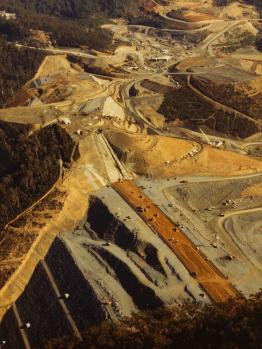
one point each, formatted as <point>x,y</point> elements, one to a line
<point>132,178</point>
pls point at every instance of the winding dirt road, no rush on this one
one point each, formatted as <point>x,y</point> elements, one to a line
<point>210,279</point>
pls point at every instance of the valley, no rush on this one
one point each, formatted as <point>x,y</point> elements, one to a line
<point>154,193</point>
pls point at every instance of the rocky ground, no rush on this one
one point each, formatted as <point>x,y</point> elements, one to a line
<point>174,111</point>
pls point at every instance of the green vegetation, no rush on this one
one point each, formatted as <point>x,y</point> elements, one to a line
<point>256,3</point>
<point>236,40</point>
<point>74,9</point>
<point>259,40</point>
<point>17,66</point>
<point>28,168</point>
<point>13,30</point>
<point>235,325</point>
<point>70,23</point>
<point>184,105</point>
<point>227,94</point>
<point>67,33</point>
<point>63,33</point>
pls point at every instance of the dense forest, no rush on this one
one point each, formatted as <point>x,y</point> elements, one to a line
<point>259,41</point>
<point>194,112</point>
<point>67,33</point>
<point>256,3</point>
<point>74,8</point>
<point>63,33</point>
<point>236,325</point>
<point>28,167</point>
<point>70,22</point>
<point>17,66</point>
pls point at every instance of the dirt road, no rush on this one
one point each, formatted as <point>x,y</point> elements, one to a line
<point>219,105</point>
<point>207,275</point>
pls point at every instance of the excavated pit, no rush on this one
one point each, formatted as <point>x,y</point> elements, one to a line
<point>85,310</point>
<point>109,228</point>
<point>143,296</point>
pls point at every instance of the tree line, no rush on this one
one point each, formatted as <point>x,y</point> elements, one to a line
<point>29,165</point>
<point>63,33</point>
<point>233,325</point>
<point>17,66</point>
<point>256,3</point>
<point>74,8</point>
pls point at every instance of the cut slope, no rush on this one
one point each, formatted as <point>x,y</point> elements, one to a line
<point>165,157</point>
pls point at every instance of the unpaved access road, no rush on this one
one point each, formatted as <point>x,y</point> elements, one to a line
<point>208,276</point>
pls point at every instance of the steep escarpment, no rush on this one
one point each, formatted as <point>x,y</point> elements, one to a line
<point>30,165</point>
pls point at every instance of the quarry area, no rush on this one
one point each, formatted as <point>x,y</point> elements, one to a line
<point>160,199</point>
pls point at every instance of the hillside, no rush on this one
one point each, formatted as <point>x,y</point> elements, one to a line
<point>24,176</point>
<point>131,174</point>
<point>17,66</point>
<point>256,3</point>
<point>189,327</point>
<point>75,8</point>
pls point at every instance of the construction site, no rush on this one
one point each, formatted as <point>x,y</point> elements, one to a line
<point>155,206</point>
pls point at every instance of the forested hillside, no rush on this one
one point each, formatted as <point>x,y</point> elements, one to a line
<point>74,8</point>
<point>235,325</point>
<point>17,66</point>
<point>28,167</point>
<point>69,24</point>
<point>256,3</point>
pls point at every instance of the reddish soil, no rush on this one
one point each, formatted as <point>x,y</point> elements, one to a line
<point>208,276</point>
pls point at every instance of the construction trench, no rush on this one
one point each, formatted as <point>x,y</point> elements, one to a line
<point>158,214</point>
<point>128,255</point>
<point>211,280</point>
